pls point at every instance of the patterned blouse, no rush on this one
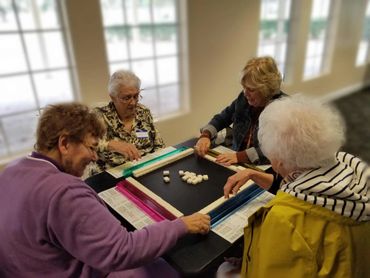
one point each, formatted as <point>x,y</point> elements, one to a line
<point>143,135</point>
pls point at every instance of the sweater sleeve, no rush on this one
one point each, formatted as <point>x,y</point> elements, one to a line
<point>84,227</point>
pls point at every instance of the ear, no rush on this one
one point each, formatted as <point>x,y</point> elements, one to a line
<point>63,144</point>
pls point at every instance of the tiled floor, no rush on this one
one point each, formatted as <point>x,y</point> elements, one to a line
<point>355,109</point>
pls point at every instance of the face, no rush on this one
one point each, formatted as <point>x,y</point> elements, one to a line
<point>126,101</point>
<point>79,155</point>
<point>254,97</point>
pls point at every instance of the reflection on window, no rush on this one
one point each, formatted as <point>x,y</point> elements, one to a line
<point>318,38</point>
<point>34,69</point>
<point>363,48</point>
<point>274,30</point>
<point>142,35</point>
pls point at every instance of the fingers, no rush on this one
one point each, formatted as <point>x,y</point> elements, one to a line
<point>227,159</point>
<point>132,152</point>
<point>202,146</point>
<point>237,187</point>
<point>236,181</point>
<point>197,223</point>
<point>222,158</point>
<point>228,187</point>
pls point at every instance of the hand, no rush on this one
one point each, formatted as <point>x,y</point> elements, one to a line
<point>236,181</point>
<point>202,146</point>
<point>197,223</point>
<point>126,149</point>
<point>234,261</point>
<point>227,159</point>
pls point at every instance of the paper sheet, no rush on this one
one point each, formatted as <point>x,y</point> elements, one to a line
<point>126,208</point>
<point>232,227</point>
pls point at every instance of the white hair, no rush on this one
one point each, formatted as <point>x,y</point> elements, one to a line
<point>300,132</point>
<point>122,78</point>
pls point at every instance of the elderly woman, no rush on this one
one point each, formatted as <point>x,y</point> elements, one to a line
<point>130,129</point>
<point>261,82</point>
<point>318,225</point>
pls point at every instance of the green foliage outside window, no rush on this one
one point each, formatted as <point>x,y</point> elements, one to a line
<point>162,31</point>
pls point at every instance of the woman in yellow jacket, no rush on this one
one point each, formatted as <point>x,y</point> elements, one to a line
<point>318,225</point>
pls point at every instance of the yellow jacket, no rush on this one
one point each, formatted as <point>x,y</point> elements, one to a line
<point>293,238</point>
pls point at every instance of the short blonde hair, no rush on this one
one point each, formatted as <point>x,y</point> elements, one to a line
<point>262,74</point>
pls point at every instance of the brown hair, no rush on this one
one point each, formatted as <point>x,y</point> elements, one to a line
<point>72,119</point>
<point>262,74</point>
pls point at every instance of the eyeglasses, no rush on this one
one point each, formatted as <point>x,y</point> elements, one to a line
<point>250,90</point>
<point>127,98</point>
<point>91,149</point>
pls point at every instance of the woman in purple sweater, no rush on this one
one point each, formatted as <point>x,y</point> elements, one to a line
<point>53,225</point>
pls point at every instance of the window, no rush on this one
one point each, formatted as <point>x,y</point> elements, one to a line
<point>34,69</point>
<point>274,29</point>
<point>363,48</point>
<point>143,36</point>
<point>319,37</point>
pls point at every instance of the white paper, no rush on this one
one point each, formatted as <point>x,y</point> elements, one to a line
<point>232,228</point>
<point>126,208</point>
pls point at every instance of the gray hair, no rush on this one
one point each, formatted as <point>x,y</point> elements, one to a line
<point>300,132</point>
<point>122,78</point>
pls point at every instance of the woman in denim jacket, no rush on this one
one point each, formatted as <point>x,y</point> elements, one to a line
<point>261,81</point>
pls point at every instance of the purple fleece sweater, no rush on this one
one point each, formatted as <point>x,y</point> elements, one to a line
<point>54,225</point>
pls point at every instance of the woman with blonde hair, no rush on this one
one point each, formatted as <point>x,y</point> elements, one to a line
<point>261,81</point>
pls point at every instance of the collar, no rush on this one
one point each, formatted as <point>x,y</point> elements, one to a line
<point>44,157</point>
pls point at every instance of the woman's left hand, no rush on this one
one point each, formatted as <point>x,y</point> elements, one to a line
<point>227,159</point>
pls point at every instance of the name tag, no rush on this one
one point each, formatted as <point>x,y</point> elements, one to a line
<point>141,133</point>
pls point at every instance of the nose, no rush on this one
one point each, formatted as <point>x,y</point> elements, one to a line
<point>94,156</point>
<point>246,92</point>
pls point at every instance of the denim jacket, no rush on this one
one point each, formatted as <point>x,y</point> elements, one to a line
<point>238,113</point>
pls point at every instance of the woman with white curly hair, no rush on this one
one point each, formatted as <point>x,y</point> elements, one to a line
<point>318,225</point>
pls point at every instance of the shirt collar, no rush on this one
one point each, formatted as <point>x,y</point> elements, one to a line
<point>44,157</point>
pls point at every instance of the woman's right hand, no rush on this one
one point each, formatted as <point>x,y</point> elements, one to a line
<point>128,150</point>
<point>202,146</point>
<point>197,223</point>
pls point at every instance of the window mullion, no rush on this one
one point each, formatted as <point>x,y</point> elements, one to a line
<point>26,55</point>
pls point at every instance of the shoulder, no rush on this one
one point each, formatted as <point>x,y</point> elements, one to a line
<point>240,98</point>
<point>66,184</point>
<point>142,108</point>
<point>102,109</point>
<point>143,112</point>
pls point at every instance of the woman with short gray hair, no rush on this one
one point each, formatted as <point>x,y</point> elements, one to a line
<point>131,133</point>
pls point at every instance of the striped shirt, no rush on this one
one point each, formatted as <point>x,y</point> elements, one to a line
<point>342,187</point>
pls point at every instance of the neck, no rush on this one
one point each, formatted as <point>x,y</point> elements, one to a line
<point>52,154</point>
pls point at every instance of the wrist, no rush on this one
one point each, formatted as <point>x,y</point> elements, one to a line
<point>112,145</point>
<point>205,134</point>
<point>242,157</point>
